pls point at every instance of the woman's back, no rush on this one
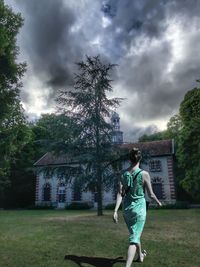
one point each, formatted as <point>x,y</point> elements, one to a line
<point>132,182</point>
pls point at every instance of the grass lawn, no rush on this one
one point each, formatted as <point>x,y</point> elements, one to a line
<point>41,238</point>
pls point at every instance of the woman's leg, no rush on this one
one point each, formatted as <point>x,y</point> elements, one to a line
<point>141,254</point>
<point>139,251</point>
<point>131,254</point>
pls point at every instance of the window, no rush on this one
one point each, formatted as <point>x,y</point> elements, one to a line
<point>155,166</point>
<point>157,189</point>
<point>47,192</point>
<point>61,193</point>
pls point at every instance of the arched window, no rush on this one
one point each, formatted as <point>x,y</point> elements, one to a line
<point>47,192</point>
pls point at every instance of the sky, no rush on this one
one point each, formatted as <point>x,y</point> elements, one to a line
<point>155,43</point>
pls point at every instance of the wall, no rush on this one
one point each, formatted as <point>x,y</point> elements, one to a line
<point>165,176</point>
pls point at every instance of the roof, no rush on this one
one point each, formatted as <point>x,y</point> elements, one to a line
<point>154,148</point>
<point>52,159</point>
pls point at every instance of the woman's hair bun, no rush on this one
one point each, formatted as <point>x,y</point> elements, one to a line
<point>135,155</point>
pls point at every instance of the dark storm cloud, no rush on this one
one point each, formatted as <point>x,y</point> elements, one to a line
<point>146,73</point>
<point>132,18</point>
<point>48,41</point>
<point>52,40</point>
<point>155,43</point>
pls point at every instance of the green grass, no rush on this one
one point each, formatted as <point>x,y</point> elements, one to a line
<point>41,238</point>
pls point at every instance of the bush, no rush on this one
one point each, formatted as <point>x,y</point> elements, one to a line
<point>78,206</point>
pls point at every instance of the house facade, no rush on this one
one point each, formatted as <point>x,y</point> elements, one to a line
<point>53,190</point>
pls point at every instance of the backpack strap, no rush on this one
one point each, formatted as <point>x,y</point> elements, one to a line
<point>128,189</point>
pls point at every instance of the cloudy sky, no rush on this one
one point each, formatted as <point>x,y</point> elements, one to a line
<point>155,43</point>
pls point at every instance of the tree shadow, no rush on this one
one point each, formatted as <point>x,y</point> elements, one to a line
<point>94,261</point>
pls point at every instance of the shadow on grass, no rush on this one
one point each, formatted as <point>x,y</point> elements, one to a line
<point>94,261</point>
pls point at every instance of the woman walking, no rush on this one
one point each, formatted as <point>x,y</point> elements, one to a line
<point>131,188</point>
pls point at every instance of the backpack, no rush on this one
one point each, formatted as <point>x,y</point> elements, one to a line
<point>125,192</point>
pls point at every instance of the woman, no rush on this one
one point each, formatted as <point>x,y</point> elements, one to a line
<point>133,183</point>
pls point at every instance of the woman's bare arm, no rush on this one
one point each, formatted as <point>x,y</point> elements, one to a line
<point>147,185</point>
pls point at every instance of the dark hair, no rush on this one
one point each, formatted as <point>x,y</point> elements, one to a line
<point>135,155</point>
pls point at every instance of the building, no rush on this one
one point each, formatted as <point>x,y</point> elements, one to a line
<point>53,190</point>
<point>117,135</point>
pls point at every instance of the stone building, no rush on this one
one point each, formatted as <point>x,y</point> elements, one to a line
<point>53,190</point>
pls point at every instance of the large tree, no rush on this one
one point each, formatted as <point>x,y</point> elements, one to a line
<point>173,131</point>
<point>184,128</point>
<point>11,112</point>
<point>88,105</point>
<point>21,190</point>
<point>14,135</point>
<point>189,142</point>
<point>10,70</point>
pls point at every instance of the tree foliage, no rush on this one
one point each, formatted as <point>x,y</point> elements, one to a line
<point>88,106</point>
<point>184,128</point>
<point>10,70</point>
<point>162,135</point>
<point>174,127</point>
<point>55,132</point>
<point>189,142</point>
<point>21,191</point>
<point>12,120</point>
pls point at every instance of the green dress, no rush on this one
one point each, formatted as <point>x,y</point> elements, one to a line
<point>134,205</point>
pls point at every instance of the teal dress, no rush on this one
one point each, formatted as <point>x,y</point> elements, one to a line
<point>134,205</point>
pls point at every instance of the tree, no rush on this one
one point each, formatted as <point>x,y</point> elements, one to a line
<point>162,135</point>
<point>88,106</point>
<point>53,131</point>
<point>10,71</point>
<point>11,112</point>
<point>189,142</point>
<point>174,127</point>
<point>13,137</point>
<point>184,128</point>
<point>21,191</point>
<point>174,130</point>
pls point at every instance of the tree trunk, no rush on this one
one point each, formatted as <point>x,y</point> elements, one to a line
<point>99,191</point>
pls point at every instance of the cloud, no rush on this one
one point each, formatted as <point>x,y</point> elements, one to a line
<point>48,40</point>
<point>136,132</point>
<point>158,61</point>
<point>53,38</point>
<point>155,44</point>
